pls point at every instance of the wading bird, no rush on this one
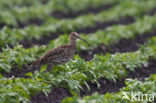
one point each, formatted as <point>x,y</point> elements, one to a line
<point>60,55</point>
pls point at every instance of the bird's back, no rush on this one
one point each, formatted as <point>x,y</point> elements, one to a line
<point>56,56</point>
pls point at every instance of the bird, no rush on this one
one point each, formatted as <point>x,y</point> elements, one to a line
<point>61,54</point>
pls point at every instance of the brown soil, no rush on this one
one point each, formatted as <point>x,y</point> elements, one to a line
<point>0,49</point>
<point>56,95</point>
<point>30,22</point>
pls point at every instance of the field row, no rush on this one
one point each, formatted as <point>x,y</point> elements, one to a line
<point>24,14</point>
<point>57,94</point>
<point>20,56</point>
<point>143,91</point>
<point>76,73</point>
<point>51,26</point>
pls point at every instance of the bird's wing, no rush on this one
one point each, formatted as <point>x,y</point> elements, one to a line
<point>55,54</point>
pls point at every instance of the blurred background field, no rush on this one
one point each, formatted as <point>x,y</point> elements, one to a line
<point>121,58</point>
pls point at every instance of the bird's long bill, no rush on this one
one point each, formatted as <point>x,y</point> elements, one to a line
<point>83,40</point>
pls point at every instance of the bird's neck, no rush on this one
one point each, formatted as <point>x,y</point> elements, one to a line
<point>73,43</point>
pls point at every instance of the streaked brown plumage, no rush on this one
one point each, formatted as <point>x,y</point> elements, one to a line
<point>60,55</point>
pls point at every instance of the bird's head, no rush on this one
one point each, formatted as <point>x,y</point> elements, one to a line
<point>75,35</point>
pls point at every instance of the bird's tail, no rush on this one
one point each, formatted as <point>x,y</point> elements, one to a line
<point>35,63</point>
